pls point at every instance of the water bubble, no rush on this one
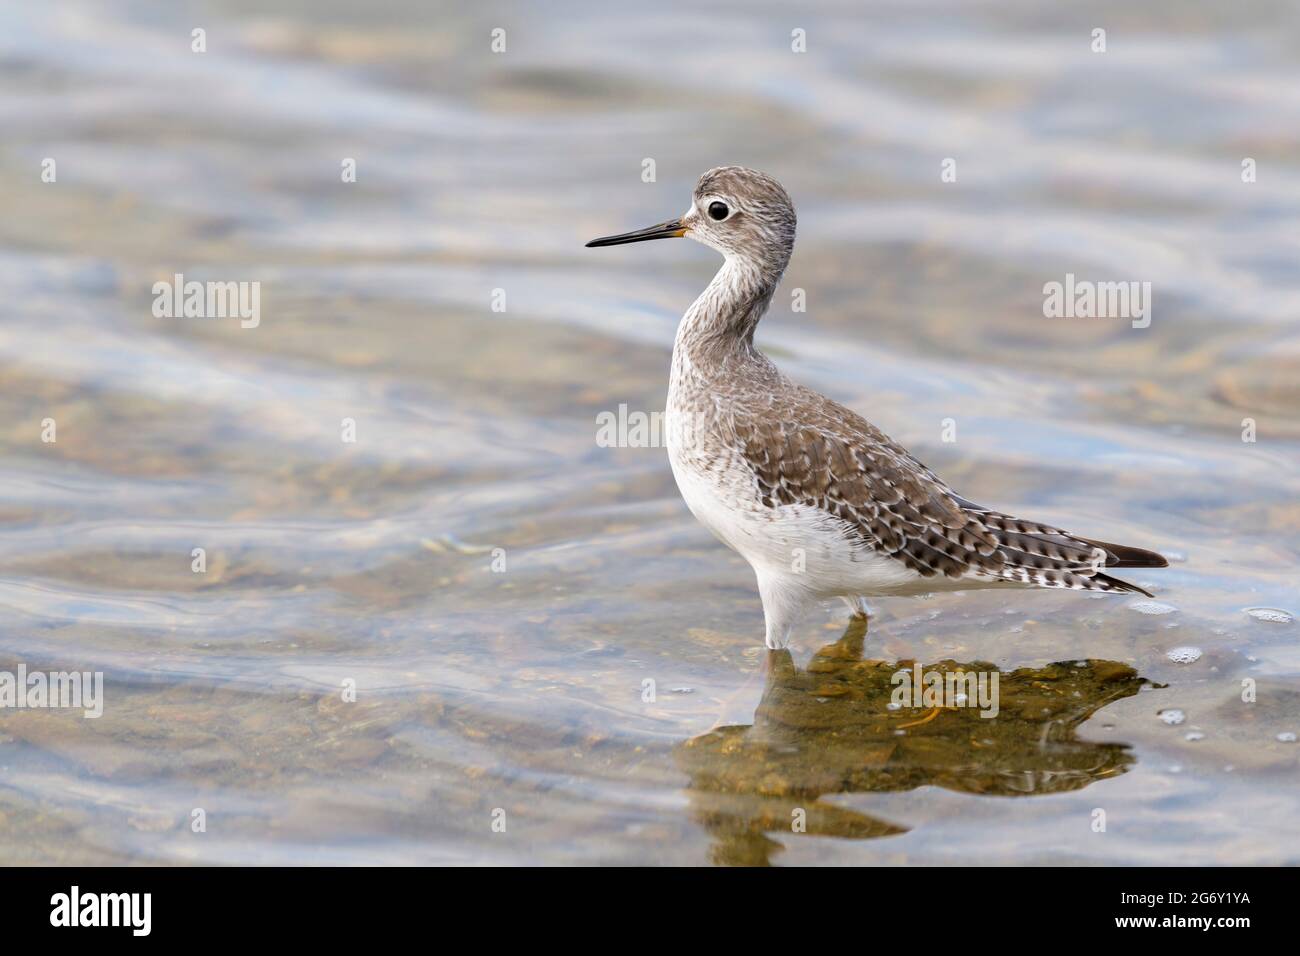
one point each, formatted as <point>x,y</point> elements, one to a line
<point>1172,716</point>
<point>893,705</point>
<point>1273,615</point>
<point>683,690</point>
<point>1184,655</point>
<point>1286,737</point>
<point>1152,607</point>
<point>1194,735</point>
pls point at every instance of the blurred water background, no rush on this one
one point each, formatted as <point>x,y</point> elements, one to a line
<point>522,688</point>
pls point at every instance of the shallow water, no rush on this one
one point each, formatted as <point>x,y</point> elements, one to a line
<point>509,685</point>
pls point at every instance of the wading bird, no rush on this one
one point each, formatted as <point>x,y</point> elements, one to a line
<point>818,500</point>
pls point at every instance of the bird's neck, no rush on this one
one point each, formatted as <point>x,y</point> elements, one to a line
<point>718,328</point>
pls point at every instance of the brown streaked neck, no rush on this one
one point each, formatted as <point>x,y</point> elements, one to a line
<point>718,329</point>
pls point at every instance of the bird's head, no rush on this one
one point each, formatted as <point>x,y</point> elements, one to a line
<point>744,214</point>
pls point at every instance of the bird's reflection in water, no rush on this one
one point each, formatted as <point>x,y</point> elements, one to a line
<point>829,729</point>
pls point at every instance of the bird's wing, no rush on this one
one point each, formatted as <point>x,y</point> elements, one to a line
<point>838,462</point>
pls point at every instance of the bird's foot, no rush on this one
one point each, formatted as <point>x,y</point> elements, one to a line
<point>934,712</point>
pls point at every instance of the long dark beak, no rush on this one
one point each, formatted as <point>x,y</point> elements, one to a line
<point>665,230</point>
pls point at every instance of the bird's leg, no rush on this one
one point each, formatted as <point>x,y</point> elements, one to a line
<point>857,605</point>
<point>777,634</point>
<point>783,605</point>
<point>850,645</point>
<point>742,698</point>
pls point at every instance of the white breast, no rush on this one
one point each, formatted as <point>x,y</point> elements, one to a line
<point>800,544</point>
<point>801,547</point>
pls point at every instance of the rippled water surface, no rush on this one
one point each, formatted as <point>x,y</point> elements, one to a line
<point>499,588</point>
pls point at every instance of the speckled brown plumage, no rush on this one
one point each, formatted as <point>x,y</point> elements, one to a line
<point>815,497</point>
<point>806,449</point>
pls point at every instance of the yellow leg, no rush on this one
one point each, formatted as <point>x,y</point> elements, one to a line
<point>924,720</point>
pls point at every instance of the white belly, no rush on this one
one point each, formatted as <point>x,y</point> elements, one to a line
<point>799,544</point>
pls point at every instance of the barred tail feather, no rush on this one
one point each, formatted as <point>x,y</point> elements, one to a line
<point>1070,580</point>
<point>1115,584</point>
<point>1123,556</point>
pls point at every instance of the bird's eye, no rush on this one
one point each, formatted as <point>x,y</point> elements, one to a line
<point>718,211</point>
